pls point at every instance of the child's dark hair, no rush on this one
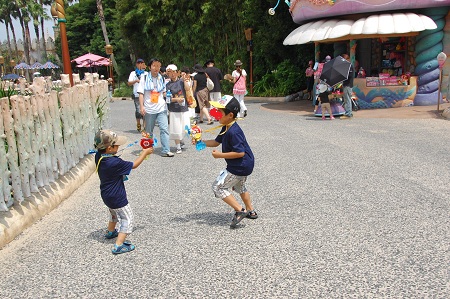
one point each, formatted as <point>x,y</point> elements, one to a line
<point>101,151</point>
<point>226,111</point>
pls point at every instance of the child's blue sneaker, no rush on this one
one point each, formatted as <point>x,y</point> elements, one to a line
<point>125,247</point>
<point>111,235</point>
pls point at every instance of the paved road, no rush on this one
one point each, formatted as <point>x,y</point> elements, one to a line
<point>348,209</point>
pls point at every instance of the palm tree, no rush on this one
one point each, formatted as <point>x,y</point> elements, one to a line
<point>101,16</point>
<point>36,10</point>
<point>44,17</point>
<point>5,17</point>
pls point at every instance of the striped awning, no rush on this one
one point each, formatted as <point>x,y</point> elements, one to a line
<point>387,25</point>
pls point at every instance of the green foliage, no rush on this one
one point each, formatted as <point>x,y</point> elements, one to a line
<point>189,32</point>
<point>101,108</point>
<point>284,80</point>
<point>124,91</point>
<point>6,92</point>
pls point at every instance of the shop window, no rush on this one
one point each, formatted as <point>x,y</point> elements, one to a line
<point>393,56</point>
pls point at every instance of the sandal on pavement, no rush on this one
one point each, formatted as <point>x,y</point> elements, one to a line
<point>252,214</point>
<point>238,216</point>
<point>125,247</point>
<point>210,123</point>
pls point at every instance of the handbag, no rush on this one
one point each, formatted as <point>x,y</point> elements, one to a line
<point>192,103</point>
<point>209,84</point>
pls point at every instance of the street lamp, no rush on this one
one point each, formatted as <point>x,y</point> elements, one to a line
<point>248,37</point>
<point>12,64</point>
<point>109,52</point>
<point>2,61</point>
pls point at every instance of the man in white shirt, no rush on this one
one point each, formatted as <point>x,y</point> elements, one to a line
<point>133,80</point>
<point>152,90</point>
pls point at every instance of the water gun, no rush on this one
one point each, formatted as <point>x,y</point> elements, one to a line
<point>147,140</point>
<point>195,132</point>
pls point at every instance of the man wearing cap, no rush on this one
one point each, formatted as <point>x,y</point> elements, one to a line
<point>152,89</point>
<point>215,75</point>
<point>133,80</point>
<point>112,172</point>
<point>239,158</point>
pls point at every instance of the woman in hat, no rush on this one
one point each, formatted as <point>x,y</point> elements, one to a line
<point>202,93</point>
<point>240,88</point>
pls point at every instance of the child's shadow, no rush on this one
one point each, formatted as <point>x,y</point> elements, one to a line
<point>99,235</point>
<point>206,218</point>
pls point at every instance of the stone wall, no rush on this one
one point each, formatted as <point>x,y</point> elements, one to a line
<point>46,137</point>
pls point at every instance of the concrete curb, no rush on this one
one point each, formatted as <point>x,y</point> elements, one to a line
<point>22,215</point>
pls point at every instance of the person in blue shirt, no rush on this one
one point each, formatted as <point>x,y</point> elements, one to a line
<point>239,158</point>
<point>112,172</point>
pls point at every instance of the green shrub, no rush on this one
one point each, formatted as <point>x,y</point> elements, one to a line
<point>286,79</point>
<point>123,91</point>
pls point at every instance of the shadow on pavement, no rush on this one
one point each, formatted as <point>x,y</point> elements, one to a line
<point>99,235</point>
<point>206,218</point>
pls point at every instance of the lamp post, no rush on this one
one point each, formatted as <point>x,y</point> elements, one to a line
<point>64,44</point>
<point>109,52</point>
<point>2,61</point>
<point>12,64</point>
<point>248,37</point>
<point>441,61</point>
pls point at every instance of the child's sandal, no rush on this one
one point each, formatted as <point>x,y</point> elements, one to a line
<point>252,214</point>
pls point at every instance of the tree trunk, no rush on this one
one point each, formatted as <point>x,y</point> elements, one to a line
<point>44,44</point>
<point>28,43</point>
<point>8,38</point>
<point>14,38</point>
<point>38,41</point>
<point>24,25</point>
<point>101,16</point>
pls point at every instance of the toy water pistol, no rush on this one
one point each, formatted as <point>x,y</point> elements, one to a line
<point>147,140</point>
<point>195,132</point>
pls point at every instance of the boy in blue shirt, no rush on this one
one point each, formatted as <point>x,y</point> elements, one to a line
<point>112,172</point>
<point>239,158</point>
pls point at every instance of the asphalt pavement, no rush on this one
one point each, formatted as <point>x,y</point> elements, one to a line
<point>348,209</point>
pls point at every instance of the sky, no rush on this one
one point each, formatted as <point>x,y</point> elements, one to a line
<point>48,27</point>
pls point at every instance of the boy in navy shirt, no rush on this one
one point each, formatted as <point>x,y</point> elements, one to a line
<point>239,158</point>
<point>112,172</point>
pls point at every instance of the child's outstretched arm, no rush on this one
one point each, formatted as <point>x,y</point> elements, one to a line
<point>142,155</point>
<point>230,155</point>
<point>211,143</point>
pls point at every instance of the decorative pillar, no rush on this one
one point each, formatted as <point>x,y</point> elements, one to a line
<point>67,68</point>
<point>12,64</point>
